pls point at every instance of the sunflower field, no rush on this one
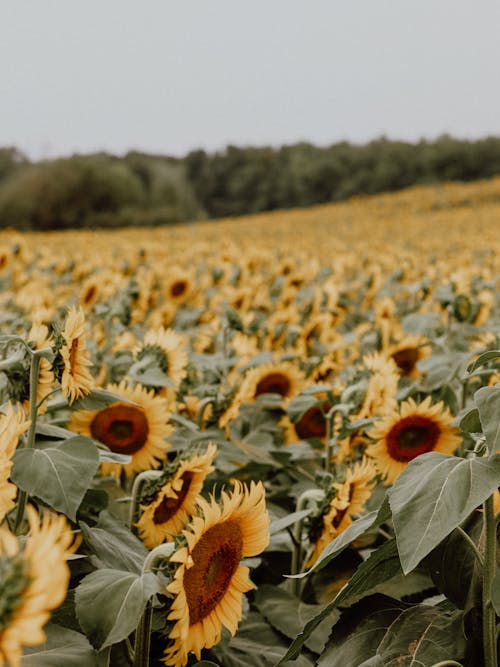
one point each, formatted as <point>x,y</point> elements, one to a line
<point>260,441</point>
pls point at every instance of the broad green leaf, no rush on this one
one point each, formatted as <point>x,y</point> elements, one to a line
<point>59,474</point>
<point>288,520</point>
<point>113,543</point>
<point>356,637</point>
<point>483,359</point>
<point>487,400</point>
<point>109,604</point>
<point>470,422</point>
<point>433,495</point>
<point>380,566</point>
<point>62,648</point>
<point>300,405</point>
<point>368,521</point>
<point>383,564</point>
<point>255,644</point>
<point>451,564</point>
<point>288,615</point>
<point>423,635</point>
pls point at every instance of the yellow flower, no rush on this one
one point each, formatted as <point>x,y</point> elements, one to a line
<point>35,581</point>
<point>12,425</point>
<point>209,583</point>
<point>76,381</point>
<point>39,336</point>
<point>175,500</point>
<point>165,348</point>
<point>403,435</point>
<point>349,499</point>
<point>408,352</point>
<point>380,396</point>
<point>139,430</point>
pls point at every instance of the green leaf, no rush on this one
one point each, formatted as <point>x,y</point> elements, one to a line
<point>433,495</point>
<point>99,399</point>
<point>62,647</point>
<point>109,604</point>
<point>451,564</point>
<point>288,615</point>
<point>470,422</point>
<point>380,566</point>
<point>420,635</point>
<point>483,359</point>
<point>487,400</point>
<point>255,644</point>
<point>59,474</point>
<point>288,520</point>
<point>423,635</point>
<point>300,405</point>
<point>368,521</point>
<point>113,543</point>
<point>356,636</point>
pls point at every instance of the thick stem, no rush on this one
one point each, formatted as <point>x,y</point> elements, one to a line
<point>30,439</point>
<point>306,499</point>
<point>142,644</point>
<point>489,618</point>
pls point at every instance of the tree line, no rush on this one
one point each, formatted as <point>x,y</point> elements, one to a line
<point>102,190</point>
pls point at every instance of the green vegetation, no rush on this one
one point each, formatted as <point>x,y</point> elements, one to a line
<point>139,189</point>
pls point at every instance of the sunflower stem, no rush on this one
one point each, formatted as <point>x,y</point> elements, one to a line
<point>139,482</point>
<point>29,443</point>
<point>307,498</point>
<point>143,637</point>
<point>447,663</point>
<point>489,617</point>
<point>142,644</point>
<point>331,438</point>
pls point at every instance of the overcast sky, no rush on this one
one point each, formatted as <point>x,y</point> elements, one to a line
<point>167,77</point>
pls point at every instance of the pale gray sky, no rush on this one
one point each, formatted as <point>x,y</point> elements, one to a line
<point>167,77</point>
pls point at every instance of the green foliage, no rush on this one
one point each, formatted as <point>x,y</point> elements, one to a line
<point>148,190</point>
<point>433,495</point>
<point>62,647</point>
<point>109,604</point>
<point>69,464</point>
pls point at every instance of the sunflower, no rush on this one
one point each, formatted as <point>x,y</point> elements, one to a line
<point>179,287</point>
<point>175,498</point>
<point>380,396</point>
<point>12,425</point>
<point>138,428</point>
<point>35,580</point>
<point>39,336</point>
<point>310,425</point>
<point>348,499</point>
<point>408,352</point>
<point>209,582</point>
<point>163,348</point>
<point>403,435</point>
<point>76,381</point>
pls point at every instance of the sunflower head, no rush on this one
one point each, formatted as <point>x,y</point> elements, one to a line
<point>35,580</point>
<point>71,363</point>
<point>138,426</point>
<point>208,581</point>
<point>169,501</point>
<point>403,435</point>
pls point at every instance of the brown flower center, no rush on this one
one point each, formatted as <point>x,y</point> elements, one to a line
<point>412,436</point>
<point>178,288</point>
<point>73,354</point>
<point>216,558</point>
<point>123,428</point>
<point>169,506</point>
<point>273,383</point>
<point>312,424</point>
<point>406,359</point>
